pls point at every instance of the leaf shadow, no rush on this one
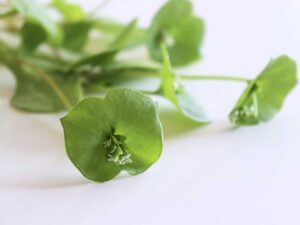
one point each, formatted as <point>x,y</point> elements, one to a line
<point>34,147</point>
<point>46,183</point>
<point>8,83</point>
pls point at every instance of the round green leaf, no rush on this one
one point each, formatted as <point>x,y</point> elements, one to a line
<point>172,89</point>
<point>125,114</point>
<point>265,96</point>
<point>176,26</point>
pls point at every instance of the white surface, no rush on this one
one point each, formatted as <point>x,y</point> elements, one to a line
<point>209,176</point>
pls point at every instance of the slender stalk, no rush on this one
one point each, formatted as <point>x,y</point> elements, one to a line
<point>108,26</point>
<point>147,92</point>
<point>216,78</point>
<point>153,71</point>
<point>104,88</point>
<point>99,7</point>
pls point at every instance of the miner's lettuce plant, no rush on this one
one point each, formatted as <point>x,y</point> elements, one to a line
<point>60,65</point>
<point>105,136</point>
<point>265,95</point>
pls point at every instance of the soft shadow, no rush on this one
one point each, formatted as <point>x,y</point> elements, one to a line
<point>6,93</point>
<point>33,132</point>
<point>7,83</point>
<point>29,138</point>
<point>231,128</point>
<point>46,183</point>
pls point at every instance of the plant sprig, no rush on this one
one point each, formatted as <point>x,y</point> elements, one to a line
<point>58,63</point>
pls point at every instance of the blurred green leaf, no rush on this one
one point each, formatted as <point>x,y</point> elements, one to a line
<point>177,27</point>
<point>32,35</point>
<point>125,36</point>
<point>45,93</point>
<point>39,90</point>
<point>76,35</point>
<point>100,59</point>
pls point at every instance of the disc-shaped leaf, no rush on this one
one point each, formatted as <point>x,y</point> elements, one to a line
<point>125,114</point>
<point>176,26</point>
<point>264,97</point>
<point>172,88</point>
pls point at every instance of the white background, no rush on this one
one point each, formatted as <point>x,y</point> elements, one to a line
<point>214,175</point>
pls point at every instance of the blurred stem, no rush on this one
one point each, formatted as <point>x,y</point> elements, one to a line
<point>98,8</point>
<point>103,88</point>
<point>216,78</point>
<point>154,71</point>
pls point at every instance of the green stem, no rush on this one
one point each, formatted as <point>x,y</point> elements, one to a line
<point>147,92</point>
<point>217,78</point>
<point>153,71</point>
<point>99,7</point>
<point>114,28</point>
<point>108,26</point>
<point>100,88</point>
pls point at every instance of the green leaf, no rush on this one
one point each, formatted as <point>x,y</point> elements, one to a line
<point>264,96</point>
<point>118,75</point>
<point>126,116</point>
<point>32,35</point>
<point>128,36</point>
<point>100,59</point>
<point>172,89</point>
<point>35,12</point>
<point>125,36</point>
<point>71,12</point>
<point>177,27</point>
<point>37,89</point>
<point>76,35</point>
